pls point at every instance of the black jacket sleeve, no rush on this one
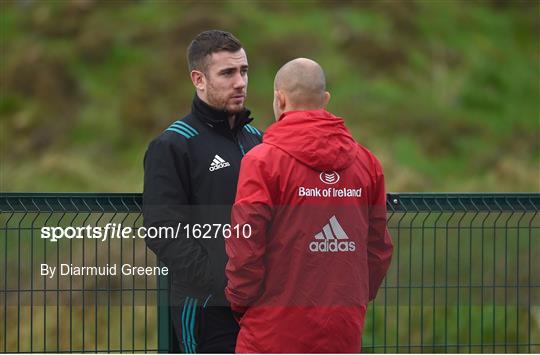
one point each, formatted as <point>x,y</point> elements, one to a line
<point>166,204</point>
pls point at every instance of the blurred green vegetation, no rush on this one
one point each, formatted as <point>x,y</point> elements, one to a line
<point>445,93</point>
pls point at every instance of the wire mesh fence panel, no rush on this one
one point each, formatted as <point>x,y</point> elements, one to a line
<point>463,276</point>
<point>54,298</point>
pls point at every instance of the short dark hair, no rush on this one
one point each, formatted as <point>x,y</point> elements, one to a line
<point>208,42</point>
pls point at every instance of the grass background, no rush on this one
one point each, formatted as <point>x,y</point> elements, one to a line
<point>445,93</point>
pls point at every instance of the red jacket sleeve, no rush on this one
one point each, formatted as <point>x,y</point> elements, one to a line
<point>379,240</point>
<point>245,269</point>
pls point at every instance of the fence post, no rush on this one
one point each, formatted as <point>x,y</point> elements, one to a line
<point>164,322</point>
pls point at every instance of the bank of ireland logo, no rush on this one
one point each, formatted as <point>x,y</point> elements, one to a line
<point>329,178</point>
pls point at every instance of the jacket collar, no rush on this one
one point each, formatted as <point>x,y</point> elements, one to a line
<point>217,118</point>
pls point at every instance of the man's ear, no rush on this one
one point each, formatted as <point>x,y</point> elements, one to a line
<point>326,98</point>
<point>281,100</point>
<point>198,79</point>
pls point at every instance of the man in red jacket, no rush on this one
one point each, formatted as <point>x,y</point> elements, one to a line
<point>313,203</point>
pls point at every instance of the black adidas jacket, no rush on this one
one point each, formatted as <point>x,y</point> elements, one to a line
<point>190,177</point>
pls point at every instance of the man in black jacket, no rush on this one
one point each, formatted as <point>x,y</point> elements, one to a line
<point>190,177</point>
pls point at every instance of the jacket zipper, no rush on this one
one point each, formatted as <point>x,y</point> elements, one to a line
<point>238,143</point>
<point>241,148</point>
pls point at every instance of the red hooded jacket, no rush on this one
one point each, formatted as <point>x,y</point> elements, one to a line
<point>315,203</point>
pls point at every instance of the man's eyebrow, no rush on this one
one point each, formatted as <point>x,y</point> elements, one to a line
<point>226,69</point>
<point>232,68</point>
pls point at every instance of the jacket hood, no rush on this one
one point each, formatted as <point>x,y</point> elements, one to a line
<point>316,138</point>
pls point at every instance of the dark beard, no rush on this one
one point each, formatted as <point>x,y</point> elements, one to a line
<point>223,107</point>
<point>235,111</point>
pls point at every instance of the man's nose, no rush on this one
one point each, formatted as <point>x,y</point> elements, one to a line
<point>240,81</point>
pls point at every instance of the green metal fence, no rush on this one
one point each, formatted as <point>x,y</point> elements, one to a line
<point>463,277</point>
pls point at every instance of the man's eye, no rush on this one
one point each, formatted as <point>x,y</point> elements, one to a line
<point>244,71</point>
